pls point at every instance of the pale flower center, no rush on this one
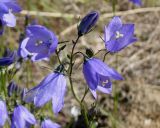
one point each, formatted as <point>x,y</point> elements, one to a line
<point>118,35</point>
<point>105,82</point>
<point>38,42</point>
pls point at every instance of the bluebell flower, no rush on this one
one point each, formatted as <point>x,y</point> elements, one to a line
<point>12,87</point>
<point>52,87</point>
<point>3,113</point>
<point>137,2</point>
<point>47,123</point>
<point>117,35</point>
<point>8,58</point>
<point>7,8</point>
<point>9,5</point>
<point>98,76</point>
<point>88,22</point>
<point>22,117</point>
<point>39,43</point>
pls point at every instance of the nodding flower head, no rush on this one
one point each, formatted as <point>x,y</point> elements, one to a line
<point>52,87</point>
<point>98,76</point>
<point>39,43</point>
<point>88,22</point>
<point>118,36</point>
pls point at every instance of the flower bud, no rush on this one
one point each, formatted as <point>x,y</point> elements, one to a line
<point>23,93</point>
<point>11,88</point>
<point>89,52</point>
<point>8,58</point>
<point>87,23</point>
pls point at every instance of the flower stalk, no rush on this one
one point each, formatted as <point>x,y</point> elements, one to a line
<point>71,68</point>
<point>83,108</point>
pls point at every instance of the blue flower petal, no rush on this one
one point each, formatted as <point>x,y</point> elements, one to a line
<point>52,87</point>
<point>8,60</point>
<point>3,113</point>
<point>114,25</point>
<point>104,90</point>
<point>38,32</point>
<point>47,123</point>
<point>98,76</point>
<point>40,90</point>
<point>14,6</point>
<point>118,35</point>
<point>40,43</point>
<point>21,117</point>
<point>90,75</point>
<point>137,2</point>
<point>58,94</point>
<point>3,8</point>
<point>115,45</point>
<point>103,69</point>
<point>22,51</point>
<point>28,117</point>
<point>32,47</point>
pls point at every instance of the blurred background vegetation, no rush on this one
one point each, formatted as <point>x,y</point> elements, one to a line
<point>135,101</point>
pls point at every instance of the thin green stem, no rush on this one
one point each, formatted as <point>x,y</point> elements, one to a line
<point>114,2</point>
<point>84,113</point>
<point>85,93</point>
<point>70,71</point>
<point>79,53</point>
<point>62,42</point>
<point>28,73</point>
<point>73,92</point>
<point>3,79</point>
<point>72,53</point>
<point>104,57</point>
<point>101,50</point>
<point>58,58</point>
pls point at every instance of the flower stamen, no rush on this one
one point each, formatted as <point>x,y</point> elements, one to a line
<point>38,42</point>
<point>104,83</point>
<point>118,35</point>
